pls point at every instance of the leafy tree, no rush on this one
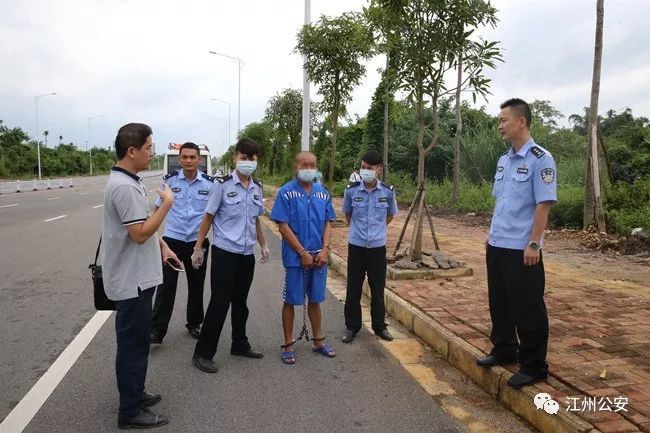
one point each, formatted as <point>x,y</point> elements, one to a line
<point>429,35</point>
<point>284,115</point>
<point>334,49</point>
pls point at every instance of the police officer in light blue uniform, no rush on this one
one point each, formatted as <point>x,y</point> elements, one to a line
<point>369,206</point>
<point>235,203</point>
<point>191,188</point>
<point>525,187</point>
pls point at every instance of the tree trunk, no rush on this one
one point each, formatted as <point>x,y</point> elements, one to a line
<point>386,102</point>
<point>416,237</point>
<point>593,205</point>
<point>335,130</point>
<point>459,128</point>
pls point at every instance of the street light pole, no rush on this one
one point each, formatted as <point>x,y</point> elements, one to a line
<point>239,62</point>
<point>229,106</point>
<point>305,90</point>
<point>90,146</point>
<point>38,143</point>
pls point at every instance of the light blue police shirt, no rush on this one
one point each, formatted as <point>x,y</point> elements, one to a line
<point>369,209</point>
<point>306,215</point>
<point>235,211</point>
<point>190,200</point>
<point>522,181</point>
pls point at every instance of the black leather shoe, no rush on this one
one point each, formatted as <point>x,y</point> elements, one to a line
<point>348,336</point>
<point>519,380</point>
<point>384,335</point>
<point>205,365</point>
<point>248,353</point>
<point>144,419</point>
<point>491,360</point>
<point>155,339</point>
<point>194,331</point>
<point>150,399</point>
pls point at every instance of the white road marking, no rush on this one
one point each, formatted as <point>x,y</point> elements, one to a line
<point>83,193</point>
<point>98,206</point>
<point>54,198</point>
<point>29,406</point>
<point>55,218</point>
<point>10,205</point>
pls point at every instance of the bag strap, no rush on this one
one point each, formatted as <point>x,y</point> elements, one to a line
<point>97,253</point>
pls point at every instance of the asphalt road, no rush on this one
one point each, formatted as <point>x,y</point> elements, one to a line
<point>45,299</point>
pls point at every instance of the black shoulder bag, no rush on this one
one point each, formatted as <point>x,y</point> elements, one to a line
<point>101,300</point>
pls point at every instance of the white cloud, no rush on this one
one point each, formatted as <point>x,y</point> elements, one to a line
<point>145,60</point>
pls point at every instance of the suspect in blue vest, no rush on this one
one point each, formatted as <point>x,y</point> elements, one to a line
<point>233,208</point>
<point>191,188</point>
<point>525,184</point>
<point>304,212</point>
<point>369,206</point>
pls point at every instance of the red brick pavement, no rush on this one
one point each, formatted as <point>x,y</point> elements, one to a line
<point>599,320</point>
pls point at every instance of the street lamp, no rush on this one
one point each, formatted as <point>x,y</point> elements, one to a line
<point>239,61</point>
<point>38,143</point>
<point>90,146</point>
<point>305,90</point>
<point>229,105</point>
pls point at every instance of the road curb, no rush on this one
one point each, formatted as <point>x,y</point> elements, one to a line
<point>462,355</point>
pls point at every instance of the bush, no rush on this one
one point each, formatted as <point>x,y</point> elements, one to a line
<point>628,206</point>
<point>568,210</point>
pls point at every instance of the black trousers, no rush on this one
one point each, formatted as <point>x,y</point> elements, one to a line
<point>517,308</point>
<point>231,276</point>
<point>166,292</point>
<point>362,261</point>
<point>132,328</point>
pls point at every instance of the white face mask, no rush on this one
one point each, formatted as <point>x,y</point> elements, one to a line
<point>368,175</point>
<point>246,167</point>
<point>307,175</point>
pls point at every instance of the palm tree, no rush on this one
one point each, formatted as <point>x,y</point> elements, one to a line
<point>60,139</point>
<point>46,133</point>
<point>593,205</point>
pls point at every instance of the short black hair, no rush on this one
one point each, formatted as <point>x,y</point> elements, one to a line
<point>247,147</point>
<point>189,145</point>
<point>372,157</point>
<point>521,107</point>
<point>131,135</point>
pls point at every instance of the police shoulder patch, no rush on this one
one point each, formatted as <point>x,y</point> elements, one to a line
<point>548,175</point>
<point>537,151</point>
<point>170,175</point>
<point>223,178</point>
<point>208,177</point>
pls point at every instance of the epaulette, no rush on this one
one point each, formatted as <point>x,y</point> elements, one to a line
<point>257,181</point>
<point>208,177</point>
<point>537,151</point>
<point>223,178</point>
<point>390,187</point>
<point>353,184</point>
<point>170,175</point>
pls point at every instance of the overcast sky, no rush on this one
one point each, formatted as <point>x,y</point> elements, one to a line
<point>148,61</point>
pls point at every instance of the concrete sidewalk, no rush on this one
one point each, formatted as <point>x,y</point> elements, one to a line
<point>599,313</point>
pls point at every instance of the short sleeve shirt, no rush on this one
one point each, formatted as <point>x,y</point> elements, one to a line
<point>126,265</point>
<point>369,210</point>
<point>522,181</point>
<point>306,215</point>
<point>235,209</point>
<point>190,200</point>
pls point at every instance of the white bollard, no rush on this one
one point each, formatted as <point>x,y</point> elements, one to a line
<point>49,185</point>
<point>71,185</point>
<point>35,188</point>
<point>18,187</point>
<point>60,183</point>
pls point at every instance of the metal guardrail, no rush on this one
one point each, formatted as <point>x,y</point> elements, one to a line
<point>15,186</point>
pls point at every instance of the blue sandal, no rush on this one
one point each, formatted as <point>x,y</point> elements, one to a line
<point>325,350</point>
<point>288,356</point>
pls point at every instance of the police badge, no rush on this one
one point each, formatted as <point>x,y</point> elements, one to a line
<point>548,175</point>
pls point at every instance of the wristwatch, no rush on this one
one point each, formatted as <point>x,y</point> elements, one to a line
<point>533,245</point>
